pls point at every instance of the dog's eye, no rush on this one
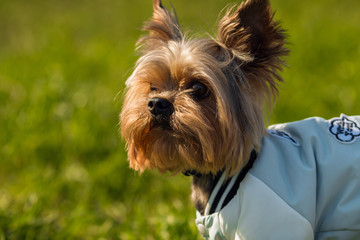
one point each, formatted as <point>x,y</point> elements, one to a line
<point>153,88</point>
<point>199,90</point>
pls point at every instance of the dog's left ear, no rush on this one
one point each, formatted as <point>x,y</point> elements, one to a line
<point>250,29</point>
<point>162,27</point>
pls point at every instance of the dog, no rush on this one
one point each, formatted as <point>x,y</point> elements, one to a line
<point>198,107</point>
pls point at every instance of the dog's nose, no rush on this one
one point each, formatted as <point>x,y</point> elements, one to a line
<point>160,106</point>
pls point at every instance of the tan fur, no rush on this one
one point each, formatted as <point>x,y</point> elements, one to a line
<point>240,68</point>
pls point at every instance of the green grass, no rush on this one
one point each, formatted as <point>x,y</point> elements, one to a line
<point>63,168</point>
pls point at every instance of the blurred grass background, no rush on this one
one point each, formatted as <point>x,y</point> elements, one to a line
<point>63,168</point>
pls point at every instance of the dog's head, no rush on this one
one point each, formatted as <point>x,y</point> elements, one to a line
<point>198,103</point>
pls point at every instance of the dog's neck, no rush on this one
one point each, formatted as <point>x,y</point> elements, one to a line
<point>203,186</point>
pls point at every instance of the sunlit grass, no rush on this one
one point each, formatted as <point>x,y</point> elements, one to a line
<point>63,169</point>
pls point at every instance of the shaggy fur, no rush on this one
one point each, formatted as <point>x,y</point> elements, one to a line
<point>215,92</point>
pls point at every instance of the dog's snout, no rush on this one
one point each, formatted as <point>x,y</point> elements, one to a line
<point>160,106</point>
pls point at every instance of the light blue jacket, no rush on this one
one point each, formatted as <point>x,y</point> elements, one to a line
<point>304,184</point>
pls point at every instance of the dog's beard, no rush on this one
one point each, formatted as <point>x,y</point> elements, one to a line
<point>185,141</point>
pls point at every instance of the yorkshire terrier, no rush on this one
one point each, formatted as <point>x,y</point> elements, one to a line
<point>197,106</point>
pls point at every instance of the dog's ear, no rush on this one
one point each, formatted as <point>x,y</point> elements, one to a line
<point>162,27</point>
<point>250,29</point>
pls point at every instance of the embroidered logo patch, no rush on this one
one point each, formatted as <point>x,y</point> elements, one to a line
<point>283,135</point>
<point>344,129</point>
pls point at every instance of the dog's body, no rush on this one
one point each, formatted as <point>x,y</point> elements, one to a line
<point>196,106</point>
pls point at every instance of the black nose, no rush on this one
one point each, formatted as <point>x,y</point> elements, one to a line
<point>160,106</point>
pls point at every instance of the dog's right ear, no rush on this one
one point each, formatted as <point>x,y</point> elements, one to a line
<point>162,28</point>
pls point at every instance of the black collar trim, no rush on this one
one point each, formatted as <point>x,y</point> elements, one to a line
<point>234,188</point>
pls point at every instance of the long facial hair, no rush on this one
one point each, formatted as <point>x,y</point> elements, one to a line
<point>240,70</point>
